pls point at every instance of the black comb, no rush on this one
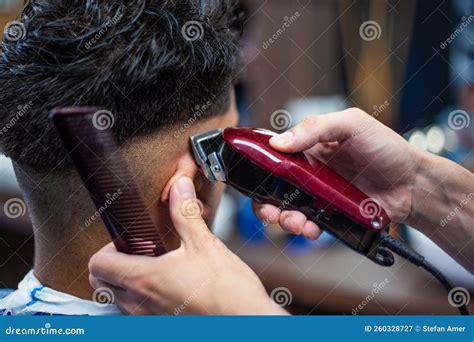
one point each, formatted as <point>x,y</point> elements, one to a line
<point>87,135</point>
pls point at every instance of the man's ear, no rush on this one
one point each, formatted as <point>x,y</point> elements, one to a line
<point>186,166</point>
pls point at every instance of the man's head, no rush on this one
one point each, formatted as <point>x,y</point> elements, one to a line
<point>163,68</point>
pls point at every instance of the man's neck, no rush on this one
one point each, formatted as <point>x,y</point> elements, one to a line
<point>64,266</point>
<point>61,261</point>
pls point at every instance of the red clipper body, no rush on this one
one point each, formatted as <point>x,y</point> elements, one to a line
<point>244,159</point>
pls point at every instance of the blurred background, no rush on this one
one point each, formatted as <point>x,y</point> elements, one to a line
<point>408,63</point>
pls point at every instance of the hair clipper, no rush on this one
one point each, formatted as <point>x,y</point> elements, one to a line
<point>244,159</point>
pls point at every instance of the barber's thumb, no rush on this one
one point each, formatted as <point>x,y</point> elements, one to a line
<point>186,211</point>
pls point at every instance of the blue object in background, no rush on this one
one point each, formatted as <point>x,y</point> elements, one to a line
<point>298,245</point>
<point>250,227</point>
<point>301,245</point>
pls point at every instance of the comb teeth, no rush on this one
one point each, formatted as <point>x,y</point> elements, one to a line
<point>94,152</point>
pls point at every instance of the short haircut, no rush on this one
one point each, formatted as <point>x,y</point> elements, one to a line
<point>150,62</point>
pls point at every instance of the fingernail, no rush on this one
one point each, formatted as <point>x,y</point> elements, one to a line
<point>283,139</point>
<point>185,187</point>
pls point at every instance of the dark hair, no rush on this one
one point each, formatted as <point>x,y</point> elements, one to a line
<point>150,62</point>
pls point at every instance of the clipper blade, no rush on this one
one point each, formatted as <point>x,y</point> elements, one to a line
<point>207,148</point>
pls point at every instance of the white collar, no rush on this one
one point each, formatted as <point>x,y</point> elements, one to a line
<point>34,298</point>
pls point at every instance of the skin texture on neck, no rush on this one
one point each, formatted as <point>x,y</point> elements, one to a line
<point>63,267</point>
<point>59,206</point>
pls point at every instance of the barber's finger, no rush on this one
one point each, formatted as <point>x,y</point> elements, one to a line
<point>267,213</point>
<point>103,291</point>
<point>311,230</point>
<point>129,302</point>
<point>131,307</point>
<point>326,150</point>
<point>296,223</point>
<point>292,222</point>
<point>116,268</point>
<point>318,129</point>
<point>108,248</point>
<point>186,212</point>
<point>137,305</point>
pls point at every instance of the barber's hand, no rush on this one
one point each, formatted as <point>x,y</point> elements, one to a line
<point>201,277</point>
<point>361,149</point>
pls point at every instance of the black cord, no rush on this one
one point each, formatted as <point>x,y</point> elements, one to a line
<point>419,260</point>
<point>443,280</point>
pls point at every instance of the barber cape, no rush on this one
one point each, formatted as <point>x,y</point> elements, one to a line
<point>32,298</point>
